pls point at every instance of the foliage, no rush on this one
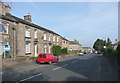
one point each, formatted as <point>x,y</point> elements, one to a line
<point>103,46</point>
<point>56,50</point>
<point>72,52</point>
<point>118,55</point>
<point>64,51</point>
<point>99,45</point>
<point>32,57</point>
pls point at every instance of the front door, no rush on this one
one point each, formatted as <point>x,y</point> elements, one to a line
<point>36,50</point>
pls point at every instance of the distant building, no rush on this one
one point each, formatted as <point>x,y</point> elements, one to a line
<point>115,45</point>
<point>74,46</point>
<point>65,43</point>
<point>87,50</point>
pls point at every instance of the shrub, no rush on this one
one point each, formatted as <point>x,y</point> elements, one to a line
<point>32,57</point>
<point>56,50</point>
<point>64,51</point>
<point>118,54</point>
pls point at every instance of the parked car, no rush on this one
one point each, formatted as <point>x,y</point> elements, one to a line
<point>46,58</point>
<point>80,53</point>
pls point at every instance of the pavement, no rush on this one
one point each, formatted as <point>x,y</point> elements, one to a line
<point>89,67</point>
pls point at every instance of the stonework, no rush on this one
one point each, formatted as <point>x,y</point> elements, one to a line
<point>28,39</point>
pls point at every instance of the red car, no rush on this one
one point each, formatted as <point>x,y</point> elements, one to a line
<point>46,58</point>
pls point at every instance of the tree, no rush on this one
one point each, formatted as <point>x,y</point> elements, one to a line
<point>99,45</point>
<point>108,42</point>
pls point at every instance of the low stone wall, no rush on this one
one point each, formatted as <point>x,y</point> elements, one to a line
<point>15,61</point>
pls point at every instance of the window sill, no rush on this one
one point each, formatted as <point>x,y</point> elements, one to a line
<point>28,37</point>
<point>27,53</point>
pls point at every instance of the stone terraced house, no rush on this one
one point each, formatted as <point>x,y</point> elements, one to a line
<point>25,38</point>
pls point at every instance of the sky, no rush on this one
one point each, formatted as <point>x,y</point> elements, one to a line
<point>83,21</point>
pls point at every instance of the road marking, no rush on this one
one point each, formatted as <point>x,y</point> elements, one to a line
<point>56,68</point>
<point>83,77</point>
<point>74,61</point>
<point>64,65</point>
<point>59,67</point>
<point>29,78</point>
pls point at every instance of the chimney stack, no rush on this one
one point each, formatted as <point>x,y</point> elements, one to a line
<point>28,17</point>
<point>4,8</point>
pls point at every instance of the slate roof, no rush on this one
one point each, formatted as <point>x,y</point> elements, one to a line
<point>8,18</point>
<point>73,42</point>
<point>12,18</point>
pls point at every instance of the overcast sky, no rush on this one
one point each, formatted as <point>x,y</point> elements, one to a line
<point>84,21</point>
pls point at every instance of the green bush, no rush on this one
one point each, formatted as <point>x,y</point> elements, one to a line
<point>64,51</point>
<point>56,50</point>
<point>72,52</point>
<point>32,57</point>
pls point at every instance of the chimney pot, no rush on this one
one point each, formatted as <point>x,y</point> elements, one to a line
<point>27,17</point>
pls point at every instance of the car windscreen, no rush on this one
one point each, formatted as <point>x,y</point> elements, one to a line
<point>40,55</point>
<point>44,55</point>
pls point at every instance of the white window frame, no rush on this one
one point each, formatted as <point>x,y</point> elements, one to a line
<point>45,48</point>
<point>49,37</point>
<point>5,26</point>
<point>45,36</point>
<point>57,39</point>
<point>27,47</point>
<point>35,34</point>
<point>53,38</point>
<point>27,32</point>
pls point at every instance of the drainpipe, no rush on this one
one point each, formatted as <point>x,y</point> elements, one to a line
<point>14,41</point>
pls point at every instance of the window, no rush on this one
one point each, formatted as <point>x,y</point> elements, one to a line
<point>27,46</point>
<point>45,48</point>
<point>6,46</point>
<point>35,34</point>
<point>57,39</point>
<point>4,27</point>
<point>44,55</point>
<point>27,32</point>
<point>49,37</point>
<point>44,36</point>
<point>40,55</point>
<point>53,38</point>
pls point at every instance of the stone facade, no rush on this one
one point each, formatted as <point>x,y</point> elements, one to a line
<point>87,50</point>
<point>64,43</point>
<point>27,38</point>
<point>74,46</point>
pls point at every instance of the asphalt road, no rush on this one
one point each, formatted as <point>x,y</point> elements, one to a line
<point>89,67</point>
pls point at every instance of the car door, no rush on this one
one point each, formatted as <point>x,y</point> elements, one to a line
<point>41,58</point>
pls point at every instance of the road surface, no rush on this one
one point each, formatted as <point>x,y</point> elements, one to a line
<point>89,67</point>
